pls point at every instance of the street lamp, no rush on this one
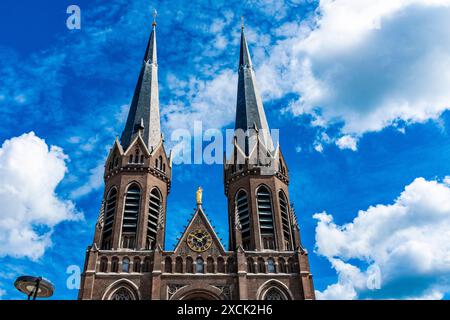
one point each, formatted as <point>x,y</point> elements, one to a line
<point>34,287</point>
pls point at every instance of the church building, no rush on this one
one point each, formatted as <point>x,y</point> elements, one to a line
<point>127,260</point>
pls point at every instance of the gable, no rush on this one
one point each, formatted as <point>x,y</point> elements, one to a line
<point>199,224</point>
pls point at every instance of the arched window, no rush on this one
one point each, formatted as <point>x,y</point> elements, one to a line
<point>210,265</point>
<point>122,294</point>
<point>130,216</point>
<point>116,161</point>
<point>271,266</point>
<point>164,167</point>
<point>131,159</point>
<point>156,163</point>
<point>274,294</point>
<point>291,266</point>
<point>285,221</point>
<point>179,265</point>
<point>126,265</point>
<point>230,265</point>
<point>108,222</point>
<point>189,265</point>
<point>136,264</point>
<point>261,265</point>
<point>115,264</point>
<point>241,203</point>
<point>220,265</point>
<point>250,265</point>
<point>154,211</point>
<point>147,265</point>
<point>136,156</point>
<point>104,264</point>
<point>160,163</point>
<point>265,215</point>
<point>168,265</point>
<point>282,265</point>
<point>199,266</point>
<point>142,158</point>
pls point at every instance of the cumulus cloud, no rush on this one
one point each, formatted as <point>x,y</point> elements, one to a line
<point>368,64</point>
<point>347,142</point>
<point>30,171</point>
<point>400,250</point>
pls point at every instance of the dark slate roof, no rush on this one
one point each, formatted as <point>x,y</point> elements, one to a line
<point>249,108</point>
<point>144,109</point>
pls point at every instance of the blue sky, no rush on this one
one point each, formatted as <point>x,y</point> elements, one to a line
<point>359,93</point>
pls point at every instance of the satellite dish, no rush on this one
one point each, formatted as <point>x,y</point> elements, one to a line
<point>34,287</point>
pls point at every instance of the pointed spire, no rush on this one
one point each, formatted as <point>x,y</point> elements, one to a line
<point>144,110</point>
<point>244,55</point>
<point>250,113</point>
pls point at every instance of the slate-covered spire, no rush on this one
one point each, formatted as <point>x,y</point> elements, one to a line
<point>144,110</point>
<point>249,108</point>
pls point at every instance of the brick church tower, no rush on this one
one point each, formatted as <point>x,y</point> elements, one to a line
<point>128,261</point>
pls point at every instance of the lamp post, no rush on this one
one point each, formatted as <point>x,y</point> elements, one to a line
<point>34,287</point>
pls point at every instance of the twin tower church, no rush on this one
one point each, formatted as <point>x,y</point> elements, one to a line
<point>128,260</point>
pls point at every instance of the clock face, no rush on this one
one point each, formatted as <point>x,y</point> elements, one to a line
<point>199,240</point>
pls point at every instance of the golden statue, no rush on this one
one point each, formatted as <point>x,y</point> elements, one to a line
<point>199,195</point>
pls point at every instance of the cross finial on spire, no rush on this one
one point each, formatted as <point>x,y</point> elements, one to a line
<point>242,22</point>
<point>155,13</point>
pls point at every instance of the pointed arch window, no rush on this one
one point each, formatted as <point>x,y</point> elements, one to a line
<point>220,265</point>
<point>108,222</point>
<point>231,266</point>
<point>282,265</point>
<point>284,210</point>
<point>126,265</point>
<point>130,216</point>
<point>147,267</point>
<point>137,264</point>
<point>104,264</point>
<point>189,265</point>
<point>241,203</point>
<point>271,266</point>
<point>274,294</point>
<point>210,265</point>
<point>199,266</point>
<point>261,265</point>
<point>168,265</point>
<point>154,212</point>
<point>250,265</point>
<point>115,264</point>
<point>265,215</point>
<point>179,265</point>
<point>123,294</point>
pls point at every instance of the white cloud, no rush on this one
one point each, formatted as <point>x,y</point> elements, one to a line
<point>347,142</point>
<point>407,241</point>
<point>2,293</point>
<point>94,182</point>
<point>30,173</point>
<point>368,63</point>
<point>212,101</point>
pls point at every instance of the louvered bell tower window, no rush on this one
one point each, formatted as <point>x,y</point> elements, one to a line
<point>285,221</point>
<point>244,218</point>
<point>108,222</point>
<point>130,217</point>
<point>265,215</point>
<point>154,211</point>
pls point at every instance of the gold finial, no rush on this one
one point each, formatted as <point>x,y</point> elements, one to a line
<point>199,195</point>
<point>155,13</point>
<point>242,22</point>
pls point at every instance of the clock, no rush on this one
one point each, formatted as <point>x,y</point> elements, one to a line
<point>199,240</point>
